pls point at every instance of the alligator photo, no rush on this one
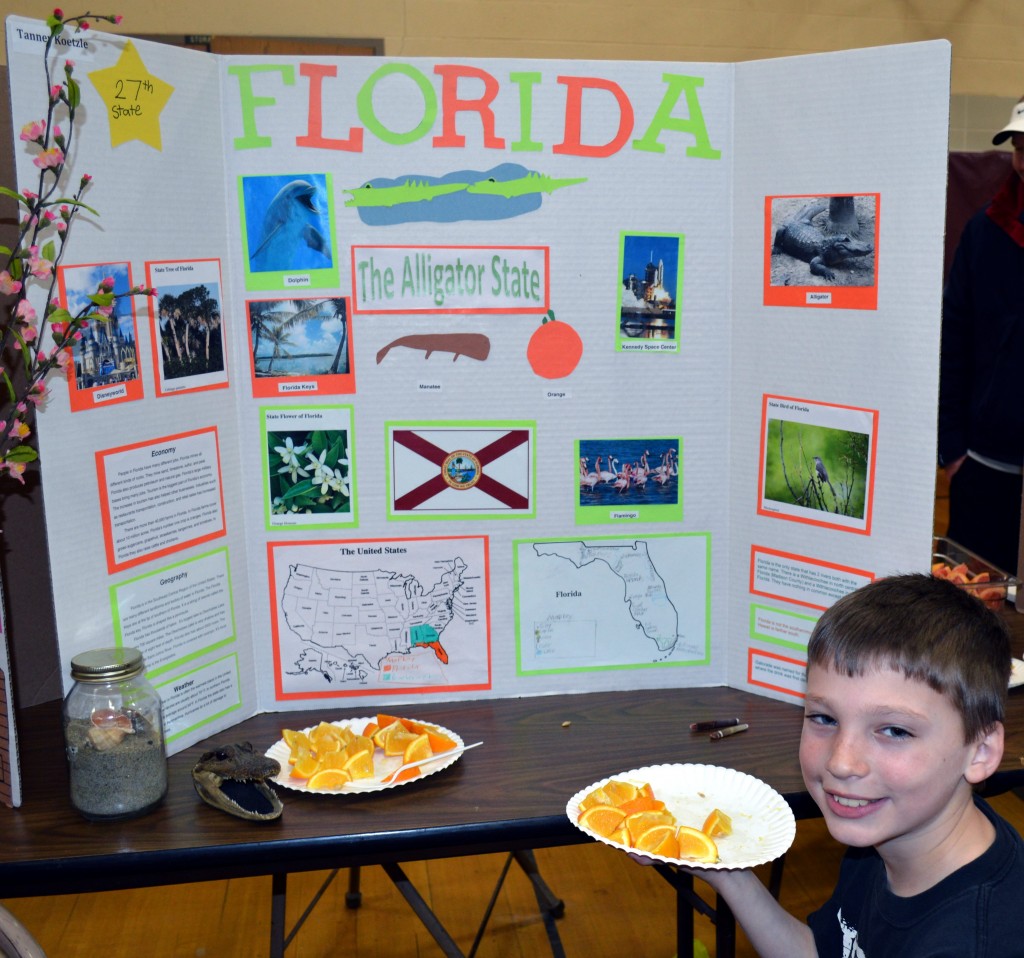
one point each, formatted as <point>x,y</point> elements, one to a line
<point>821,249</point>
<point>234,779</point>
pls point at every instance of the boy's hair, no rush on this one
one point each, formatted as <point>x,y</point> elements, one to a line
<point>928,629</point>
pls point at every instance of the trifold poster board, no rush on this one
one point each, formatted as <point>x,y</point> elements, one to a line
<point>484,378</point>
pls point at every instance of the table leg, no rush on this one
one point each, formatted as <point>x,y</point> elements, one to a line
<point>422,910</point>
<point>278,891</point>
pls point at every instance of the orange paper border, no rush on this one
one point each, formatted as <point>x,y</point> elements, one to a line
<point>281,696</point>
<point>842,297</point>
<point>101,476</point>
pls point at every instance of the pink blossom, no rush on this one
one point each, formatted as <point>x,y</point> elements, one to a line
<point>36,394</point>
<point>49,159</point>
<point>19,430</point>
<point>55,91</point>
<point>29,195</point>
<point>118,18</point>
<point>40,268</point>
<point>107,282</point>
<point>63,358</point>
<point>25,312</point>
<point>29,334</point>
<point>69,65</point>
<point>84,25</point>
<point>86,178</point>
<point>35,130</point>
<point>62,227</point>
<point>16,469</point>
<point>8,285</point>
<point>58,14</point>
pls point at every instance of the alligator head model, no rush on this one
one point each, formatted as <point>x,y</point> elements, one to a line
<point>799,237</point>
<point>233,778</point>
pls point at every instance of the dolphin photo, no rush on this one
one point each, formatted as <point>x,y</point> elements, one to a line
<point>287,223</point>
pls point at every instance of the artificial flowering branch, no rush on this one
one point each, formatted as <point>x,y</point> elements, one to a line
<point>46,218</point>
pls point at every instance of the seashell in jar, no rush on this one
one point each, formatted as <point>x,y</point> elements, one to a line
<point>102,739</point>
<point>112,718</point>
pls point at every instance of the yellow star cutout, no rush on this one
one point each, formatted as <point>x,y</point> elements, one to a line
<point>134,99</point>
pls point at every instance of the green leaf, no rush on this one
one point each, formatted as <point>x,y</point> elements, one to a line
<point>302,488</point>
<point>49,251</point>
<point>14,196</point>
<point>102,299</point>
<point>74,93</point>
<point>9,385</point>
<point>22,454</point>
<point>60,315</point>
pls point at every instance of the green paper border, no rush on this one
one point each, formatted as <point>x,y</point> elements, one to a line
<point>771,639</point>
<point>528,424</point>
<point>192,656</point>
<point>676,341</point>
<point>598,515</point>
<point>277,281</point>
<point>706,660</point>
<point>353,498</point>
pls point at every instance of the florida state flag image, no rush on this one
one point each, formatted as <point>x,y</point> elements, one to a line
<point>461,471</point>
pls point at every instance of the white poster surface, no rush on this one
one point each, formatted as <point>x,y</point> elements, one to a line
<point>477,378</point>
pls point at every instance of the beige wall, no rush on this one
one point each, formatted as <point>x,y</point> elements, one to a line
<point>987,35</point>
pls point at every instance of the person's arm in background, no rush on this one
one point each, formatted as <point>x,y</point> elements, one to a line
<point>955,360</point>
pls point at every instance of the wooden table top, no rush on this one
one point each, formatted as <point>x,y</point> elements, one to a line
<point>510,793</point>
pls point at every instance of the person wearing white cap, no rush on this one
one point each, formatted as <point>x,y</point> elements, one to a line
<point>981,392</point>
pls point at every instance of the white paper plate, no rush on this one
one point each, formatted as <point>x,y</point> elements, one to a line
<point>383,765</point>
<point>762,822</point>
<point>1017,673</point>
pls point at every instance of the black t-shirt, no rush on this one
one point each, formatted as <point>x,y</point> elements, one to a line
<point>974,913</point>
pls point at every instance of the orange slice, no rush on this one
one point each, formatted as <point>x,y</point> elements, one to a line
<point>417,749</point>
<point>642,803</point>
<point>384,720</point>
<point>397,741</point>
<point>602,819</point>
<point>294,740</point>
<point>637,823</point>
<point>597,797</point>
<point>439,742</point>
<point>405,775</point>
<point>620,792</point>
<point>326,737</point>
<point>329,778</point>
<point>333,760</point>
<point>306,764</point>
<point>620,835</point>
<point>370,729</point>
<point>695,846</point>
<point>360,765</point>
<point>717,824</point>
<point>659,840</point>
<point>380,736</point>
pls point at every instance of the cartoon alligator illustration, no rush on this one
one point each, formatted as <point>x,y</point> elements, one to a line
<point>411,191</point>
<point>524,185</point>
<point>799,237</point>
<point>474,345</point>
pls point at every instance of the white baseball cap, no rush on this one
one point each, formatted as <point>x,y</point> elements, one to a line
<point>1016,124</point>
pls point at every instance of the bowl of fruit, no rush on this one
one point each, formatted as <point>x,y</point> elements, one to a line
<point>971,572</point>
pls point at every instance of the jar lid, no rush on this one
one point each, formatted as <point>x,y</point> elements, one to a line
<point>99,665</point>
